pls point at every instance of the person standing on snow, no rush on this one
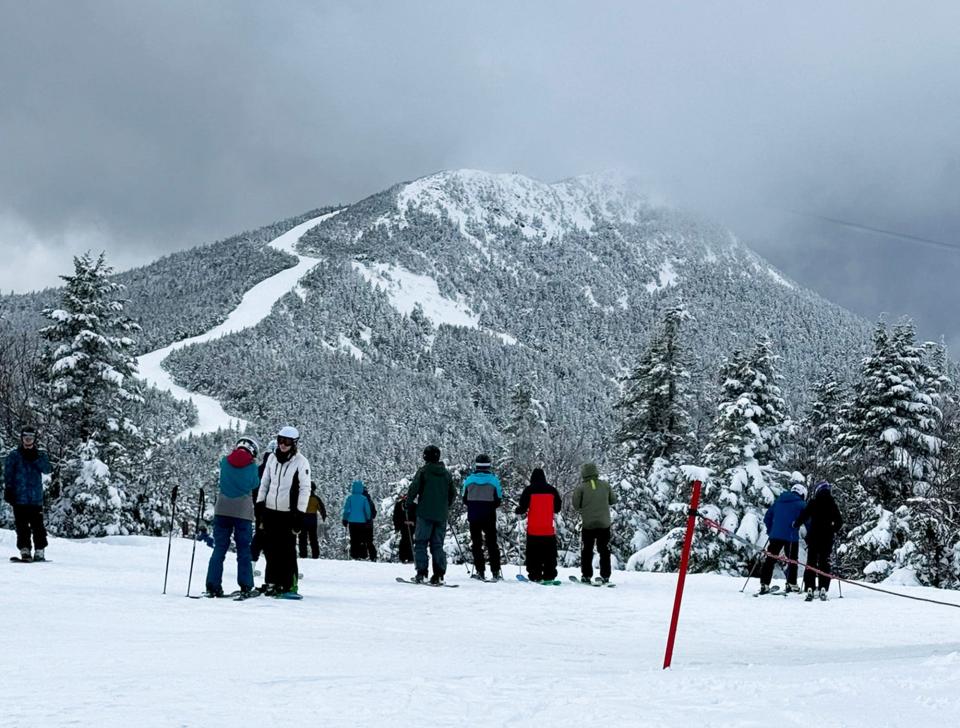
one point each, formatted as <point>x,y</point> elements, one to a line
<point>355,516</point>
<point>233,516</point>
<point>823,521</point>
<point>483,494</point>
<point>783,535</point>
<point>23,472</point>
<point>431,492</point>
<point>539,502</point>
<point>309,533</point>
<point>284,493</point>
<point>592,500</point>
<point>403,522</point>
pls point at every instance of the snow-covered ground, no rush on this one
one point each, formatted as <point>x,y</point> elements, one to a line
<point>255,306</point>
<point>88,640</point>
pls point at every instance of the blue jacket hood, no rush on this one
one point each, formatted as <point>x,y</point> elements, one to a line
<point>357,487</point>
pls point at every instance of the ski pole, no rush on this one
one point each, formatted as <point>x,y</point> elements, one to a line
<point>753,565</point>
<point>173,517</point>
<point>457,542</point>
<point>196,531</point>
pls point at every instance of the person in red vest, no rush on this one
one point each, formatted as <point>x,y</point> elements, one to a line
<point>539,502</point>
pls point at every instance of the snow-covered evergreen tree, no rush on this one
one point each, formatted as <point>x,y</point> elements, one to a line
<point>89,367</point>
<point>654,433</point>
<point>892,437</point>
<point>744,449</point>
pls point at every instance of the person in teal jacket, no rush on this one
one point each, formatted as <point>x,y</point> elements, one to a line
<point>233,516</point>
<point>357,513</point>
<point>23,472</point>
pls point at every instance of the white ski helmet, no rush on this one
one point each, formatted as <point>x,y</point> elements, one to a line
<point>250,445</point>
<point>289,432</point>
<point>800,489</point>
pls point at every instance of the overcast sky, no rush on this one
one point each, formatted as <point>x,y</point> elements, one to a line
<point>146,127</point>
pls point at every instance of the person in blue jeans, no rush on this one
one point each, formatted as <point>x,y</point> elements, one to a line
<point>784,537</point>
<point>233,516</point>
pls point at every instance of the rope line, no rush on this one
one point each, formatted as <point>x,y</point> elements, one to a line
<point>785,559</point>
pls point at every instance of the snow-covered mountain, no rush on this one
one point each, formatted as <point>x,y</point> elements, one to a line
<point>429,301</point>
<point>432,299</point>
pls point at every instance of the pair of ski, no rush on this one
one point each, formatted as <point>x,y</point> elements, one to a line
<point>239,596</point>
<point>401,580</point>
<point>597,581</point>
<point>775,590</point>
<point>18,560</point>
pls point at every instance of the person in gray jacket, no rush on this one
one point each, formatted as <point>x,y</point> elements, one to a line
<point>592,500</point>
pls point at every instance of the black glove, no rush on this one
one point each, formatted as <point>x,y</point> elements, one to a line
<point>296,523</point>
<point>259,507</point>
<point>8,495</point>
<point>344,523</point>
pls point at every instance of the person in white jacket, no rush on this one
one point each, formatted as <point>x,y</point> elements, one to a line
<point>282,499</point>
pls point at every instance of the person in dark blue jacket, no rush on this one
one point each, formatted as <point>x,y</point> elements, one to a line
<point>483,493</point>
<point>357,513</point>
<point>23,489</point>
<point>783,536</point>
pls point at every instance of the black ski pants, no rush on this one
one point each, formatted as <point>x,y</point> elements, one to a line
<point>280,549</point>
<point>790,549</point>
<point>485,529</point>
<point>406,544</point>
<point>28,520</point>
<point>371,547</point>
<point>360,533</point>
<point>541,560</point>
<point>309,533</point>
<point>600,536</point>
<point>818,556</point>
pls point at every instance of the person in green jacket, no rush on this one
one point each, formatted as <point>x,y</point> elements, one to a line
<point>592,500</point>
<point>431,493</point>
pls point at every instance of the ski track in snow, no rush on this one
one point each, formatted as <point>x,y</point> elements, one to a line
<point>92,642</point>
<point>256,305</point>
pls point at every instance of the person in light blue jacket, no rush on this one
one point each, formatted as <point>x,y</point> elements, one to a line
<point>356,516</point>
<point>784,537</point>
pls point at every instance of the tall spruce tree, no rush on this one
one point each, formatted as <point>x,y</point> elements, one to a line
<point>89,367</point>
<point>892,437</point>
<point>653,437</point>
<point>746,445</point>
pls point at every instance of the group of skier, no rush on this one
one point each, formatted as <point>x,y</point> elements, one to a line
<point>271,507</point>
<point>784,519</point>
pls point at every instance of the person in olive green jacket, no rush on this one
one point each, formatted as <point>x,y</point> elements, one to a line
<point>592,500</point>
<point>431,493</point>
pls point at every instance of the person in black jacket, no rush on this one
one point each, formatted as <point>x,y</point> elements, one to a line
<point>23,472</point>
<point>369,544</point>
<point>823,521</point>
<point>403,521</point>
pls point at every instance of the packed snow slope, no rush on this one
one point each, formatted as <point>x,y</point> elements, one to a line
<point>89,640</point>
<point>255,306</point>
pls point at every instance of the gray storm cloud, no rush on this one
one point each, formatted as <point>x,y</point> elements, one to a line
<point>153,126</point>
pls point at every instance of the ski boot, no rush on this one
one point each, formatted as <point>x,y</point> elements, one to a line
<point>213,592</point>
<point>809,596</point>
<point>436,580</point>
<point>479,575</point>
<point>584,579</point>
<point>823,595</point>
<point>604,579</point>
<point>421,577</point>
<point>496,576</point>
<point>38,555</point>
<point>764,589</point>
<point>793,588</point>
<point>25,555</point>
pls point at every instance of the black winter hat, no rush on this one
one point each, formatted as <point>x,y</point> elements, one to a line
<point>483,462</point>
<point>538,477</point>
<point>431,453</point>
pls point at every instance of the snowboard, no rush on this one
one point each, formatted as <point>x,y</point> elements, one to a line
<point>18,560</point>
<point>525,580</point>
<point>595,582</point>
<point>425,583</point>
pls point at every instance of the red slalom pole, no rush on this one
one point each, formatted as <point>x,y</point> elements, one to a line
<point>681,577</point>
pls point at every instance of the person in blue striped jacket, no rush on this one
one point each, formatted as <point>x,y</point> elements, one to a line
<point>483,493</point>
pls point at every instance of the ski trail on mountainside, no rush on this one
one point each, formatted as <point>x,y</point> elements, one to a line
<point>256,305</point>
